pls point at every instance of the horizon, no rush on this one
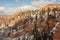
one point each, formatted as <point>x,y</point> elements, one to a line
<point>9,7</point>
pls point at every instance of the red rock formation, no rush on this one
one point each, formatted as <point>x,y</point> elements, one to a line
<point>9,18</point>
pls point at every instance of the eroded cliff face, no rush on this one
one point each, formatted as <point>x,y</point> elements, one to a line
<point>15,18</point>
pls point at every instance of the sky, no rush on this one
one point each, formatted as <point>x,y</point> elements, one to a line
<point>8,7</point>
